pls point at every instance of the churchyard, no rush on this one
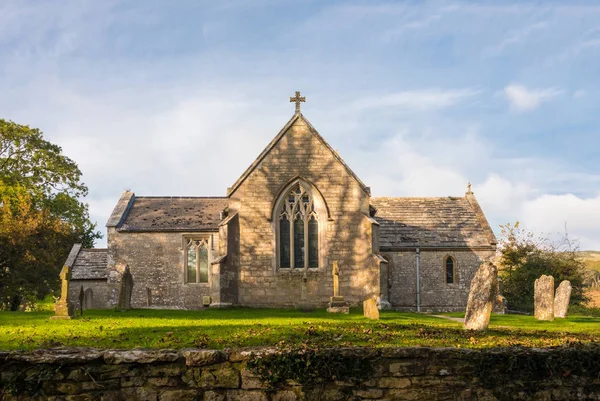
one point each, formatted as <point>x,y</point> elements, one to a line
<point>242,327</point>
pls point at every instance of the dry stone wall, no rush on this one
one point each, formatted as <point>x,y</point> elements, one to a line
<point>389,373</point>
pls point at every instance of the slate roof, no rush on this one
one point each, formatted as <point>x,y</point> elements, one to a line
<point>149,213</point>
<point>88,264</point>
<point>448,222</point>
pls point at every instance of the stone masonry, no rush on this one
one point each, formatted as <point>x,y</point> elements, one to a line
<point>374,241</point>
<point>394,374</point>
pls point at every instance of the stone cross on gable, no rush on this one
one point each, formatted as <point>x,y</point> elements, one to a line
<point>297,99</point>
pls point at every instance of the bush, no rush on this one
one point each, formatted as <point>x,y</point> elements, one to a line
<point>523,258</point>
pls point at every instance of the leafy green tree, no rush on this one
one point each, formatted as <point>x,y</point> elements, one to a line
<point>41,214</point>
<point>523,258</point>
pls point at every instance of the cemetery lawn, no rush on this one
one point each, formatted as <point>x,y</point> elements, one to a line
<point>242,327</point>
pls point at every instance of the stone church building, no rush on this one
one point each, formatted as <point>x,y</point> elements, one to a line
<point>273,240</point>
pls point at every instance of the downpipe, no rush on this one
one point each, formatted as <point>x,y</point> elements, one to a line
<point>418,260</point>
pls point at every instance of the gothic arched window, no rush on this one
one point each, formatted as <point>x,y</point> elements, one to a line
<point>449,269</point>
<point>298,229</point>
<point>196,261</point>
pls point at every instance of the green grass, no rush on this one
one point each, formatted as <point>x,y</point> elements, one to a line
<point>254,327</point>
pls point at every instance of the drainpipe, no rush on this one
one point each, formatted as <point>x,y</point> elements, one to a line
<point>418,260</point>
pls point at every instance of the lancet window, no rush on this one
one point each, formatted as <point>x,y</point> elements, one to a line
<point>298,230</point>
<point>196,261</point>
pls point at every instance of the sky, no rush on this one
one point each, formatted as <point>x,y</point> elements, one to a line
<point>178,98</point>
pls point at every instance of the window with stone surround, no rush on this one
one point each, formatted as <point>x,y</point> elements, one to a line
<point>298,225</point>
<point>449,269</point>
<point>196,260</point>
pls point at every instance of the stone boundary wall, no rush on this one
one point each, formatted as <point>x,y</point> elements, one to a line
<point>393,374</point>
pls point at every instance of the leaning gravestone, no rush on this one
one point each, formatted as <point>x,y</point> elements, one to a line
<point>481,296</point>
<point>543,301</point>
<point>562,299</point>
<point>370,309</point>
<point>126,290</point>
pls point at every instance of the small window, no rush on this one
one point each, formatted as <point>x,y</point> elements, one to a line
<point>196,261</point>
<point>449,270</point>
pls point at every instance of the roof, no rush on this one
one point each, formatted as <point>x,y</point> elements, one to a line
<point>280,135</point>
<point>150,213</point>
<point>87,263</point>
<point>448,222</point>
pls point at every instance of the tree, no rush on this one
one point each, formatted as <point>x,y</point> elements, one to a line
<point>523,258</point>
<point>41,214</point>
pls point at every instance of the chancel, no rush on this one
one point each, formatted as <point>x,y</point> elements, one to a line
<point>298,227</point>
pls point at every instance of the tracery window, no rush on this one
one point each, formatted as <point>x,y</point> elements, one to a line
<point>449,268</point>
<point>196,259</point>
<point>298,230</point>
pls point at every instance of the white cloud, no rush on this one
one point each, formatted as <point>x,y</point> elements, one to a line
<point>416,100</point>
<point>523,99</point>
<point>551,213</point>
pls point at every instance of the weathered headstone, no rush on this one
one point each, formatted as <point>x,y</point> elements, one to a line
<point>481,297</point>
<point>126,290</point>
<point>63,309</point>
<point>562,298</point>
<point>336,302</point>
<point>370,309</point>
<point>81,299</point>
<point>303,294</point>
<point>499,302</point>
<point>543,302</point>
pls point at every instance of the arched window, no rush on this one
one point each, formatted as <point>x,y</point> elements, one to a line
<point>298,229</point>
<point>196,261</point>
<point>449,268</point>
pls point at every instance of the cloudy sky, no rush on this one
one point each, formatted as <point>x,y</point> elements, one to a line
<point>179,97</point>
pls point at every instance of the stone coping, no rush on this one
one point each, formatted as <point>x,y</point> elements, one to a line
<point>203,357</point>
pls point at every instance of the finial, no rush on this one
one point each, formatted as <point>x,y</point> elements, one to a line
<point>469,187</point>
<point>297,99</point>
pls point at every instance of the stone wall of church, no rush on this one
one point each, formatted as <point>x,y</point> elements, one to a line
<point>156,262</point>
<point>299,153</point>
<point>99,292</point>
<point>436,294</point>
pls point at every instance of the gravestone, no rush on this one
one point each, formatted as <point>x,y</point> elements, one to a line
<point>370,309</point>
<point>562,298</point>
<point>336,302</point>
<point>543,301</point>
<point>81,299</point>
<point>126,290</point>
<point>304,305</point>
<point>499,305</point>
<point>481,297</point>
<point>303,294</point>
<point>63,309</point>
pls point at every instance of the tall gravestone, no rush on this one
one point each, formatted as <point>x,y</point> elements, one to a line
<point>126,290</point>
<point>63,309</point>
<point>562,298</point>
<point>336,302</point>
<point>543,301</point>
<point>81,299</point>
<point>481,297</point>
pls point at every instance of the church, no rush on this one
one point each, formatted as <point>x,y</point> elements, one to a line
<point>296,221</point>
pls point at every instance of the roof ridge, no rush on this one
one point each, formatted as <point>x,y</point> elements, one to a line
<point>417,197</point>
<point>179,197</point>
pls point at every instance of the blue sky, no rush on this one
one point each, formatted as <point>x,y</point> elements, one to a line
<point>179,97</point>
